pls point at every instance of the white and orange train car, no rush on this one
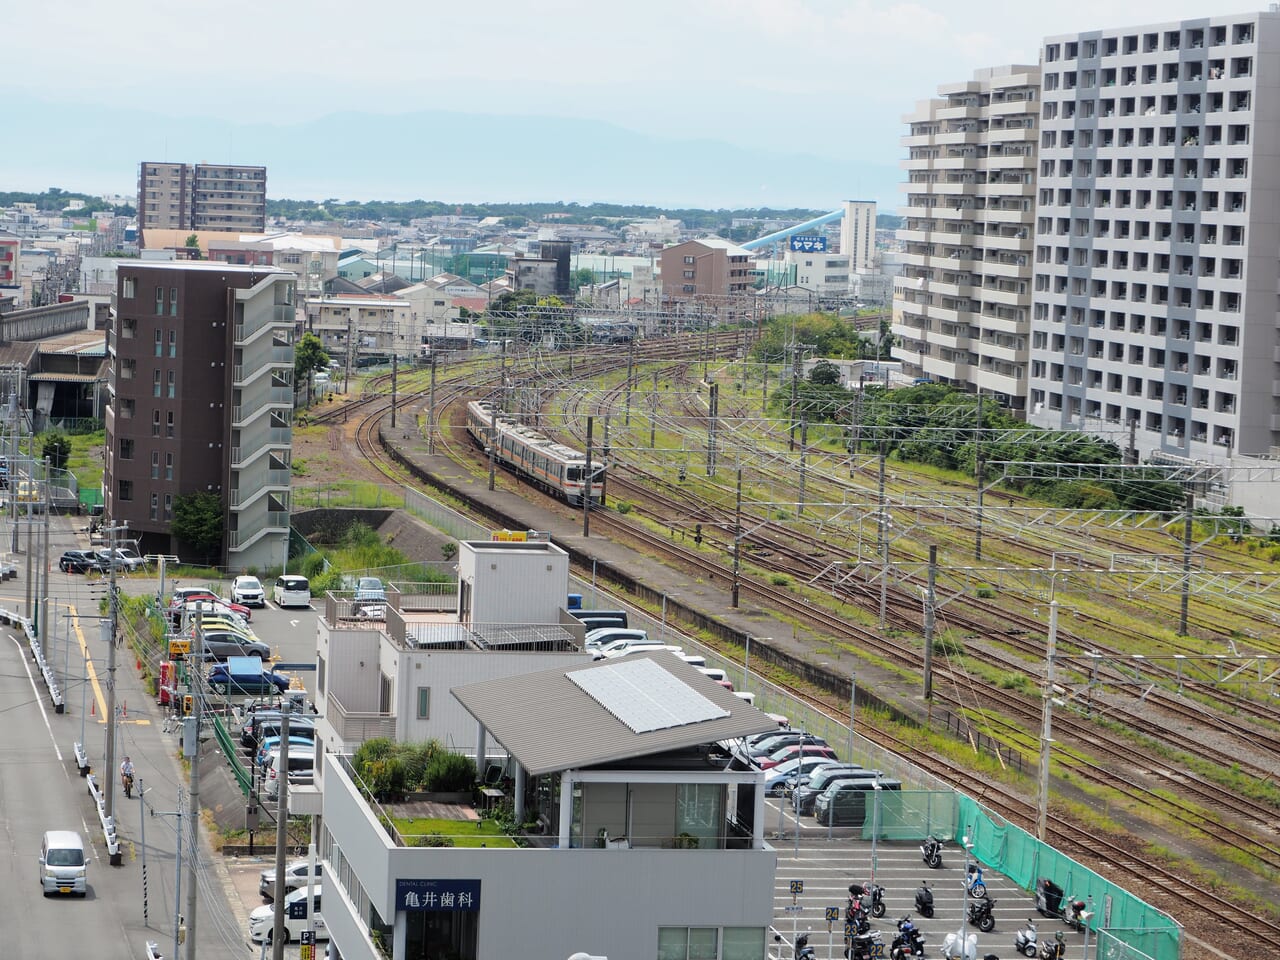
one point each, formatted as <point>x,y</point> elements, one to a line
<point>558,469</point>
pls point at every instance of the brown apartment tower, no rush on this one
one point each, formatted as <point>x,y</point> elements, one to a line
<point>202,196</point>
<point>201,399</point>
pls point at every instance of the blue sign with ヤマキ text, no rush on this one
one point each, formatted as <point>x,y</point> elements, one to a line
<point>803,244</point>
<point>423,894</point>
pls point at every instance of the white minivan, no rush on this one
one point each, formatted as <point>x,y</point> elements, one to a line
<point>63,863</point>
<point>291,591</point>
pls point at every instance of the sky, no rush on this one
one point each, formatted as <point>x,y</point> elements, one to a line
<point>802,98</point>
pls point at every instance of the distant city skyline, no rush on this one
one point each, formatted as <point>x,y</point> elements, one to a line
<point>729,102</point>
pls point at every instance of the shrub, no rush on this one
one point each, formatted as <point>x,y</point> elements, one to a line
<point>985,592</point>
<point>449,772</point>
<point>431,840</point>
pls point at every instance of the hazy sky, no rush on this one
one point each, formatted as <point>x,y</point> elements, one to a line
<point>829,78</point>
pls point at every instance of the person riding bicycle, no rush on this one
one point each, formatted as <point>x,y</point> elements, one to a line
<point>126,775</point>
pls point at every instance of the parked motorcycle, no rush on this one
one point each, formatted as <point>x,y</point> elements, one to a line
<point>931,852</point>
<point>865,946</point>
<point>855,915</point>
<point>973,881</point>
<point>908,943</point>
<point>1055,949</point>
<point>872,896</point>
<point>1076,914</point>
<point>924,899</point>
<point>982,914</point>
<point>1025,940</point>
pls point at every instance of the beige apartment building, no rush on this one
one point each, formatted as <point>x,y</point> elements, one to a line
<point>962,306</point>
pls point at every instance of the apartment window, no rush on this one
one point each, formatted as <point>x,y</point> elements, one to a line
<point>128,288</point>
<point>173,384</point>
<point>173,343</point>
<point>126,448</point>
<point>690,260</point>
<point>159,301</point>
<point>173,301</point>
<point>168,466</point>
<point>155,423</point>
<point>168,506</point>
<point>1242,66</point>
<point>155,383</point>
<point>155,464</point>
<point>424,703</point>
<point>125,490</point>
<point>169,425</point>
<point>159,344</point>
<point>155,506</point>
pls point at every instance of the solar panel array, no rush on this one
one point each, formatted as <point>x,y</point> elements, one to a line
<point>644,696</point>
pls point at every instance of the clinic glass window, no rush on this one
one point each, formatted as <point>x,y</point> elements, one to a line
<point>687,943</point>
<point>173,301</point>
<point>700,812</point>
<point>742,943</point>
<point>424,703</point>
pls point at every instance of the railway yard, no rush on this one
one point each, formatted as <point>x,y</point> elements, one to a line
<point>1165,742</point>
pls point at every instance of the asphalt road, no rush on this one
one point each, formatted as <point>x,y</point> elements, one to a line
<point>40,788</point>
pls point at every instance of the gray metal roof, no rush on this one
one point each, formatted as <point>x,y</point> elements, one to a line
<point>548,724</point>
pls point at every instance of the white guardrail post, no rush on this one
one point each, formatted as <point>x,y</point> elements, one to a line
<point>37,654</point>
<point>108,823</point>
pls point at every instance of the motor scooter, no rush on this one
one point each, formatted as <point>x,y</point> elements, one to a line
<point>1025,940</point>
<point>801,950</point>
<point>924,899</point>
<point>872,896</point>
<point>973,881</point>
<point>908,943</point>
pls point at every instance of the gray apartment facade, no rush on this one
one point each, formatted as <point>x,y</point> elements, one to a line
<point>1157,237</point>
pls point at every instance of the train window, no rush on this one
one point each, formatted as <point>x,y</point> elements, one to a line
<point>574,474</point>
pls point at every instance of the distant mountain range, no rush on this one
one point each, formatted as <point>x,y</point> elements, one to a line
<point>433,154</point>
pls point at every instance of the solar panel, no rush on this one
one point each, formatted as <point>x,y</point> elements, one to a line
<point>644,696</point>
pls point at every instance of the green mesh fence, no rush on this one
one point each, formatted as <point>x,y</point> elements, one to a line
<point>1129,927</point>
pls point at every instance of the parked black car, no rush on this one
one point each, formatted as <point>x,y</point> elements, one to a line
<point>78,561</point>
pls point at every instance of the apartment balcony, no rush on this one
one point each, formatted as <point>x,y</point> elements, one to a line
<point>989,241</point>
<point>251,328</point>
<point>959,112</point>
<point>951,338</point>
<point>951,369</point>
<point>357,726</point>
<point>1003,352</point>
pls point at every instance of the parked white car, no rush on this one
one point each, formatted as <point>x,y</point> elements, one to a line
<point>262,920</point>
<point>291,591</point>
<point>248,591</point>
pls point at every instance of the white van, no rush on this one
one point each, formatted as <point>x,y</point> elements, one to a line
<point>291,591</point>
<point>63,863</point>
<point>718,675</point>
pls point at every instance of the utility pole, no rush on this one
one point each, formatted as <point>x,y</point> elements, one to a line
<point>493,441</point>
<point>631,364</point>
<point>193,831</point>
<point>1185,603</point>
<point>714,412</point>
<point>282,836</point>
<point>113,627</point>
<point>737,544</point>
<point>930,605</point>
<point>431,410</point>
<point>394,371</point>
<point>653,413</point>
<point>43,579</point>
<point>1046,735</point>
<point>804,463</point>
<point>981,458</point>
<point>587,477</point>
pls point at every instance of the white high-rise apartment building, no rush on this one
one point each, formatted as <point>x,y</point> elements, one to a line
<point>858,235</point>
<point>962,306</point>
<point>1157,236</point>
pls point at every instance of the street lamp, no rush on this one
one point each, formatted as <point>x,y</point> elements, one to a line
<point>964,886</point>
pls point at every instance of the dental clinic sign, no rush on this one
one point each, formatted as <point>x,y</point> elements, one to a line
<point>421,894</point>
<point>809,244</point>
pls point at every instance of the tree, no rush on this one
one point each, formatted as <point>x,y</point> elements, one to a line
<point>309,356</point>
<point>583,277</point>
<point>56,449</point>
<point>198,522</point>
<point>825,373</point>
<point>193,244</point>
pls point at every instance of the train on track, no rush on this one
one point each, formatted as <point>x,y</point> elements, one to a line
<point>551,466</point>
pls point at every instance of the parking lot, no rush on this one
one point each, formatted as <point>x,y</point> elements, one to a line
<point>825,868</point>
